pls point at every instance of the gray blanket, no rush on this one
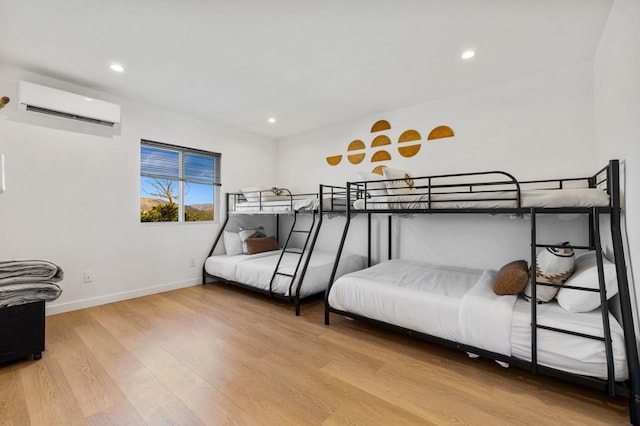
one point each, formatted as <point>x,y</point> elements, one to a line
<point>17,294</point>
<point>29,271</point>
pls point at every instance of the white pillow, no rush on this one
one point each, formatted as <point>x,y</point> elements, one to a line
<point>246,233</point>
<point>403,183</point>
<point>232,243</point>
<point>586,275</point>
<point>374,187</point>
<point>251,192</point>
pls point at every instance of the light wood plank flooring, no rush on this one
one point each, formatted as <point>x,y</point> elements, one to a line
<point>219,355</point>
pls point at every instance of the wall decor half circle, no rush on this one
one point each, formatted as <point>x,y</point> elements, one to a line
<point>440,132</point>
<point>334,160</point>
<point>380,125</point>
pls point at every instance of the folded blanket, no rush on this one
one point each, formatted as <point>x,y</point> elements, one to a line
<point>29,271</point>
<point>18,294</point>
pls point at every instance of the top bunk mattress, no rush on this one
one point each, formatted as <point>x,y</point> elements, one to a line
<point>288,205</point>
<point>549,198</point>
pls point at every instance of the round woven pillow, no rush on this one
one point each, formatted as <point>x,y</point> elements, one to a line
<point>512,278</point>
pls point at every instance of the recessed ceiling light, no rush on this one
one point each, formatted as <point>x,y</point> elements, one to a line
<point>117,67</point>
<point>468,54</point>
<point>88,99</point>
<point>271,120</point>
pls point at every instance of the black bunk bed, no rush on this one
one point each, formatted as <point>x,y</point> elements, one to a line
<point>290,265</point>
<point>500,193</point>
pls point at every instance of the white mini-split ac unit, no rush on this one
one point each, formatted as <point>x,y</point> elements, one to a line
<point>46,100</point>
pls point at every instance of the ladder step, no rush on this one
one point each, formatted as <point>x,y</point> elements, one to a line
<point>567,246</point>
<point>301,231</point>
<point>286,275</point>
<point>293,251</point>
<point>573,333</point>
<point>572,287</point>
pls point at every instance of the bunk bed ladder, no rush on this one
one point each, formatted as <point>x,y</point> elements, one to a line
<point>594,244</point>
<point>298,252</point>
<point>307,259</point>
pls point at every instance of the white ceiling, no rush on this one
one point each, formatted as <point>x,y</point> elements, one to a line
<point>307,63</point>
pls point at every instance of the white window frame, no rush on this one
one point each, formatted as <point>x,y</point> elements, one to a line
<point>181,150</point>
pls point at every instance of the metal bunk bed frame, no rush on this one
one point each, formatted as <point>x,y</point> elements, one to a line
<point>609,176</point>
<point>231,199</point>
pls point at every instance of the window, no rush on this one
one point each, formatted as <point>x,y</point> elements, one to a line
<point>177,184</point>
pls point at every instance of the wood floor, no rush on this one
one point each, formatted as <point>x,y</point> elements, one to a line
<point>219,355</point>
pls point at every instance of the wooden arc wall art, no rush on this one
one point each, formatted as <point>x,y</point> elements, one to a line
<point>380,141</point>
<point>407,141</point>
<point>380,125</point>
<point>409,144</point>
<point>357,157</point>
<point>440,132</point>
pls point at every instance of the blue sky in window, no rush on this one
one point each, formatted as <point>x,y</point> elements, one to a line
<point>164,162</point>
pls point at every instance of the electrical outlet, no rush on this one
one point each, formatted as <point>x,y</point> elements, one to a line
<point>88,276</point>
<point>192,262</point>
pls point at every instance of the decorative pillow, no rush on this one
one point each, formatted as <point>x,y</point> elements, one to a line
<point>402,184</point>
<point>246,233</point>
<point>512,278</point>
<point>553,266</point>
<point>259,245</point>
<point>232,243</point>
<point>374,187</point>
<point>586,275</point>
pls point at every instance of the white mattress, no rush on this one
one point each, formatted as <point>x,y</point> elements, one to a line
<point>279,206</point>
<point>407,294</point>
<point>458,304</point>
<point>573,197</point>
<point>256,270</point>
<point>587,356</point>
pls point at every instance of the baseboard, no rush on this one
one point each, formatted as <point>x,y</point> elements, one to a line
<point>116,297</point>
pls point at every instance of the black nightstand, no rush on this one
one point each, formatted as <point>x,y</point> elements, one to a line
<point>22,331</point>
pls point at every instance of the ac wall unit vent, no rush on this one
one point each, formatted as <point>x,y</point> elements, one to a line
<point>46,100</point>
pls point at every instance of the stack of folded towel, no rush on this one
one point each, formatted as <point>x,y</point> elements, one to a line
<point>24,281</point>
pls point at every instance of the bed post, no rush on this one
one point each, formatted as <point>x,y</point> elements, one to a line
<point>368,240</point>
<point>215,242</point>
<point>390,236</point>
<point>533,301</point>
<point>625,297</point>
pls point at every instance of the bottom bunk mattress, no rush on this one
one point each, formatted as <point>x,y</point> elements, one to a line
<point>256,270</point>
<point>566,352</point>
<point>459,305</point>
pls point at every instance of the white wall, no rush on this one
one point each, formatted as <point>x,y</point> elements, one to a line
<point>73,198</point>
<point>536,127</point>
<point>617,110</point>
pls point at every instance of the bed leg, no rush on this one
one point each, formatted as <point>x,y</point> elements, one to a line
<point>37,356</point>
<point>634,409</point>
<point>326,317</point>
<point>298,308</point>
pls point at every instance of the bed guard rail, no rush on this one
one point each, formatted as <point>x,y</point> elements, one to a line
<point>430,191</point>
<point>272,200</point>
<point>442,191</point>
